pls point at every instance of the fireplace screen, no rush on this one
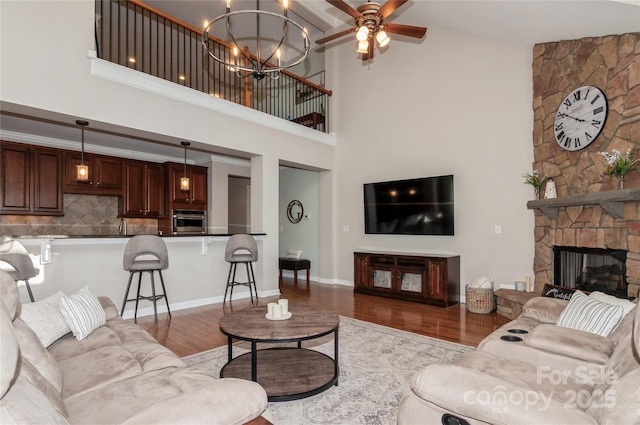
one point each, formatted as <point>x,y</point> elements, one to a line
<point>591,269</point>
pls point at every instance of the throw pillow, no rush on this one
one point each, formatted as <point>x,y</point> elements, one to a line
<point>294,254</point>
<point>45,319</point>
<point>590,315</point>
<point>82,312</point>
<point>627,305</point>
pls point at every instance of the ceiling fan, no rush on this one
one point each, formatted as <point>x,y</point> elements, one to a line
<point>369,24</point>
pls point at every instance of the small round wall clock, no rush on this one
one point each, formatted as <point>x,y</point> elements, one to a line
<point>580,118</point>
<point>295,211</point>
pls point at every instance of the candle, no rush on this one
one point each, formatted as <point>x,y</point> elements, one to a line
<point>284,304</point>
<point>527,284</point>
<point>277,310</point>
<point>270,308</point>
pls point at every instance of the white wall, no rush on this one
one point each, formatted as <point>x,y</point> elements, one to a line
<point>303,186</point>
<point>453,104</point>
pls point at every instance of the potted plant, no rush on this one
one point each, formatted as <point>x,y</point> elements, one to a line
<point>618,164</point>
<point>536,181</point>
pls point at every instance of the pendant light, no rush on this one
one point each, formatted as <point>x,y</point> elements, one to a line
<point>184,181</point>
<point>82,171</point>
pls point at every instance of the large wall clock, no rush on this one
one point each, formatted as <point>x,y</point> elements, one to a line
<point>580,118</point>
<point>295,211</point>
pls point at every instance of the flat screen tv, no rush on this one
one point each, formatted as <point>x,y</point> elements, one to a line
<point>421,206</point>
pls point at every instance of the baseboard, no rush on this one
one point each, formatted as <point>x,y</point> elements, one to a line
<point>162,307</point>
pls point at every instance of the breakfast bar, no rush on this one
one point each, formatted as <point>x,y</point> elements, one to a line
<point>196,275</point>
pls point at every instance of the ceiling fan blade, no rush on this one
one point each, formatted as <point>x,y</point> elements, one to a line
<point>340,4</point>
<point>389,7</point>
<point>336,35</point>
<point>408,30</point>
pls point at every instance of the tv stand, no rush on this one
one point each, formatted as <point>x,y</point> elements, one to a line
<point>426,278</point>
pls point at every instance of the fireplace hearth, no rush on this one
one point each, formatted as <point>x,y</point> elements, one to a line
<point>591,269</point>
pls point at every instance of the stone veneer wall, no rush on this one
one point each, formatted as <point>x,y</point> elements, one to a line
<point>84,215</point>
<point>612,64</point>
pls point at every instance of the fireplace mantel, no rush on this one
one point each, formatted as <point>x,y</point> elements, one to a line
<point>611,201</point>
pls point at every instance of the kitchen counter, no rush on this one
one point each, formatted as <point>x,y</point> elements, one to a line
<point>172,235</point>
<point>196,276</point>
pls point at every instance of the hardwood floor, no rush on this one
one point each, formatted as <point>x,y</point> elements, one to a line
<point>194,330</point>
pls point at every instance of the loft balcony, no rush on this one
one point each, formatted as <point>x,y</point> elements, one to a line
<point>134,35</point>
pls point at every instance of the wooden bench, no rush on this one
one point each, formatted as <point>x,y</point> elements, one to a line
<point>295,265</point>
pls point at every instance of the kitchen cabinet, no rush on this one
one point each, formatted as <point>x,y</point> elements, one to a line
<point>196,197</point>
<point>143,194</point>
<point>31,180</point>
<point>432,279</point>
<point>105,174</point>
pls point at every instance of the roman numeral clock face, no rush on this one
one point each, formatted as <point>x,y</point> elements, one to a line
<point>580,118</point>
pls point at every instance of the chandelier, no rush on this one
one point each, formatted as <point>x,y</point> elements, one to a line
<point>257,65</point>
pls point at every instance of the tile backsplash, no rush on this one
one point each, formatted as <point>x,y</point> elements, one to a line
<point>84,215</point>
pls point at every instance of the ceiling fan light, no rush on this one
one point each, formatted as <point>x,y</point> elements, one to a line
<point>362,34</point>
<point>363,46</point>
<point>383,38</point>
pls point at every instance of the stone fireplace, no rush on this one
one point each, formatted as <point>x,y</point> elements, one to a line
<point>589,211</point>
<point>591,269</point>
<point>589,223</point>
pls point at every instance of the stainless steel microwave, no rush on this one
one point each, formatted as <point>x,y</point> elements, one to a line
<point>189,221</point>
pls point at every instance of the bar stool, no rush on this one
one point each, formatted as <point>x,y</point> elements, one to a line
<point>241,248</point>
<point>14,253</point>
<point>145,253</point>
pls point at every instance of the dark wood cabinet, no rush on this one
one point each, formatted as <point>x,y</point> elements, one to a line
<point>196,196</point>
<point>105,174</point>
<point>433,279</point>
<point>31,180</point>
<point>143,190</point>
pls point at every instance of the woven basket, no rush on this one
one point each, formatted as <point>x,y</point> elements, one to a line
<point>479,300</point>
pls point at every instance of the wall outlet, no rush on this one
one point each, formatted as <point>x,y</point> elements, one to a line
<point>345,227</point>
<point>497,229</point>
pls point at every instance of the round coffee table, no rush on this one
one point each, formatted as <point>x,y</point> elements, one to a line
<point>286,373</point>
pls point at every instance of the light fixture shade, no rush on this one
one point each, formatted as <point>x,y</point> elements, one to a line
<point>82,172</point>
<point>184,180</point>
<point>363,33</point>
<point>363,46</point>
<point>383,38</point>
<point>184,183</point>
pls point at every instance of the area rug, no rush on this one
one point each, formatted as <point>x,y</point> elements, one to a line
<point>376,366</point>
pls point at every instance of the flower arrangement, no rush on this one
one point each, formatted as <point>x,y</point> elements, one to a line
<point>535,180</point>
<point>618,164</point>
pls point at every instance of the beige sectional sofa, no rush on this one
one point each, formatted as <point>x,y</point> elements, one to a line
<point>118,374</point>
<point>552,375</point>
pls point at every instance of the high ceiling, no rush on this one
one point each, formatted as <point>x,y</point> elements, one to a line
<point>523,23</point>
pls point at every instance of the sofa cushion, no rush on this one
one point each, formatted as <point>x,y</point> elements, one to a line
<point>9,294</point>
<point>83,312</point>
<point>97,368</point>
<point>543,309</point>
<point>26,404</point>
<point>45,319</point>
<point>168,396</point>
<point>590,315</point>
<point>9,350</point>
<point>32,349</point>
<point>571,343</point>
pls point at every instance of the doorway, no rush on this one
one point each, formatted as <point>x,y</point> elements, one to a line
<point>239,205</point>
